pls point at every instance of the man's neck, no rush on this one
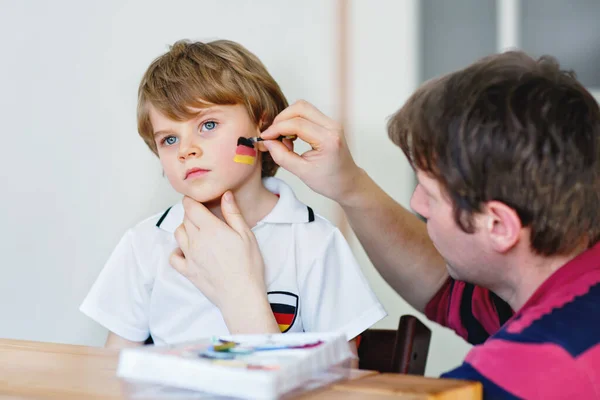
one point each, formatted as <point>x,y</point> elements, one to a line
<point>532,271</point>
<point>253,200</point>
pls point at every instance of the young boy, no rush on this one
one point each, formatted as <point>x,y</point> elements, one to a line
<point>199,104</point>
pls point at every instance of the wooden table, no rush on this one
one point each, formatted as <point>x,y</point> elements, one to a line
<point>35,370</point>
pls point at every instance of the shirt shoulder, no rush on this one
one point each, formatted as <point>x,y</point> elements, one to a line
<point>570,324</point>
<point>150,231</point>
<point>319,228</point>
<point>150,225</point>
<point>149,246</point>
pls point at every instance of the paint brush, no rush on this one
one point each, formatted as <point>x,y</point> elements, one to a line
<point>280,138</point>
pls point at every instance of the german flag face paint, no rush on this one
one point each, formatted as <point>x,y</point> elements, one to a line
<point>285,308</point>
<point>245,153</point>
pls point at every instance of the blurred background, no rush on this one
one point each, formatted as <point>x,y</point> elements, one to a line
<point>76,175</point>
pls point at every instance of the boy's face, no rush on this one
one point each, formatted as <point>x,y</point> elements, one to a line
<point>198,156</point>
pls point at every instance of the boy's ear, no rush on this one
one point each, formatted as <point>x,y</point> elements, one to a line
<point>262,122</point>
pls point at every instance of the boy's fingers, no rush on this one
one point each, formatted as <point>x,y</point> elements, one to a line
<point>182,238</point>
<point>286,158</point>
<point>196,213</point>
<point>178,261</point>
<point>304,109</point>
<point>188,228</point>
<point>232,213</point>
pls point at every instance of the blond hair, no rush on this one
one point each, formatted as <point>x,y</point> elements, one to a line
<point>192,74</point>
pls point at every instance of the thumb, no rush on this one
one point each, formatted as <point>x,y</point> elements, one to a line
<point>285,157</point>
<point>232,214</point>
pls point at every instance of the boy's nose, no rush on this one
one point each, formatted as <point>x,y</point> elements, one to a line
<point>189,152</point>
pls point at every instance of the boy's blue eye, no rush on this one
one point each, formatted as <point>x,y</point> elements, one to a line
<point>208,126</point>
<point>170,140</point>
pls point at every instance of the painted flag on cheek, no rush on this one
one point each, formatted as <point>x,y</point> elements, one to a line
<point>285,309</point>
<point>245,153</point>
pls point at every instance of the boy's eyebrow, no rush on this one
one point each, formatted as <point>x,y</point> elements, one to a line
<point>203,111</point>
<point>163,132</point>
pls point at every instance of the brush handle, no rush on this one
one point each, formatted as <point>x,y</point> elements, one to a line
<point>291,137</point>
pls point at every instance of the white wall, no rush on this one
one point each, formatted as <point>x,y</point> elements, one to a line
<point>76,175</point>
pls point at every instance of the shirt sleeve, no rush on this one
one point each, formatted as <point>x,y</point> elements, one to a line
<point>473,312</point>
<point>335,295</point>
<point>119,298</point>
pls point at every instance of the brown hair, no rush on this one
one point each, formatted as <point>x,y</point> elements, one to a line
<point>516,130</point>
<point>192,74</point>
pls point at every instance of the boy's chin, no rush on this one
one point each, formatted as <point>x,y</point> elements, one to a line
<point>208,199</point>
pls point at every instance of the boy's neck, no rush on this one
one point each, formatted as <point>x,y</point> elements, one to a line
<point>253,199</point>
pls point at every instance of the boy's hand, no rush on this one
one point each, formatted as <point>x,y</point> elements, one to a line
<point>223,261</point>
<point>328,168</point>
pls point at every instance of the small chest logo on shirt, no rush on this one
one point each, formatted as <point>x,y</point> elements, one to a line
<point>285,308</point>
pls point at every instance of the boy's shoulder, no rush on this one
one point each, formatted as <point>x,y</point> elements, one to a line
<point>159,225</point>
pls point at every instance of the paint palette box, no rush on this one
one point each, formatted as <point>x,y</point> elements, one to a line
<point>238,366</point>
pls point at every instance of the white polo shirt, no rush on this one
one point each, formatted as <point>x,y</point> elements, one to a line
<point>314,282</point>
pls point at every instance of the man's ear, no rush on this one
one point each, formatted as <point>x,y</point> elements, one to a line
<point>503,226</point>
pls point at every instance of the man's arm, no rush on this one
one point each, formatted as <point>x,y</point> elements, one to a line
<point>395,240</point>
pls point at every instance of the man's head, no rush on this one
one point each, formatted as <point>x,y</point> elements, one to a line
<point>507,151</point>
<point>198,99</point>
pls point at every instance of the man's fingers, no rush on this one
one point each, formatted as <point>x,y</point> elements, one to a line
<point>182,238</point>
<point>285,158</point>
<point>178,261</point>
<point>260,146</point>
<point>289,144</point>
<point>305,110</point>
<point>232,214</point>
<point>311,133</point>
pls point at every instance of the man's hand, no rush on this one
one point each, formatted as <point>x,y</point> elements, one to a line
<point>395,240</point>
<point>223,261</point>
<point>328,168</point>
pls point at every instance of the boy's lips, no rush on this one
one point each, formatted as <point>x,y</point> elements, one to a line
<point>195,172</point>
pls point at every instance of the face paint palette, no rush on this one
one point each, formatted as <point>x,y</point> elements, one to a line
<point>262,366</point>
<point>245,153</point>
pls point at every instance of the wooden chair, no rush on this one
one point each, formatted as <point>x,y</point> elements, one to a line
<point>402,351</point>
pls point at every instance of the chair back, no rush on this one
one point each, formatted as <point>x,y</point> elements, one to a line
<point>402,351</point>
